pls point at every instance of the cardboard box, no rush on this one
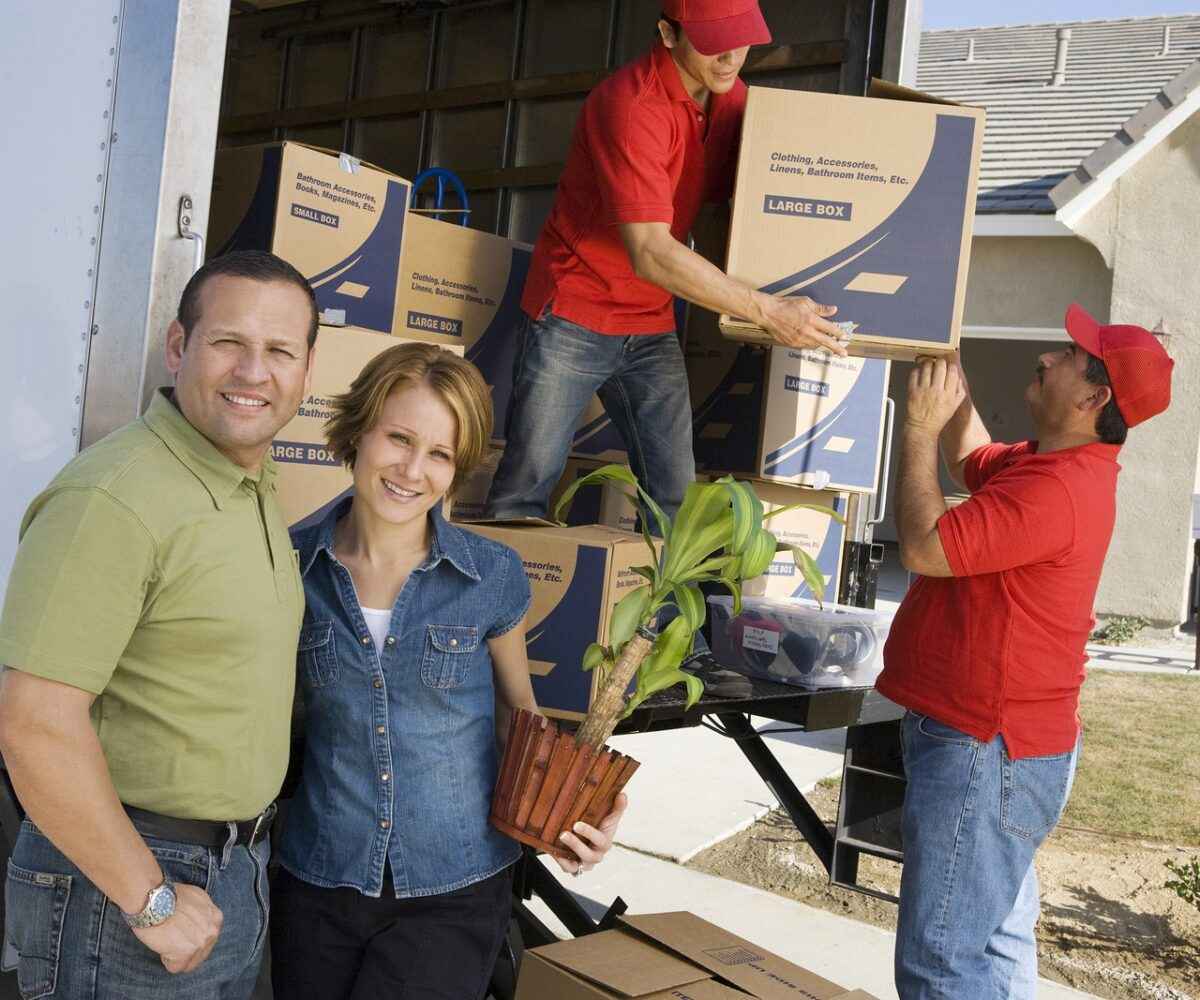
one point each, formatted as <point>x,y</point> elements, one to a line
<point>461,286</point>
<point>309,477</point>
<point>864,203</point>
<point>339,221</point>
<point>818,534</point>
<point>802,417</point>
<point>661,955</point>
<point>608,504</point>
<point>577,576</point>
<point>469,503</point>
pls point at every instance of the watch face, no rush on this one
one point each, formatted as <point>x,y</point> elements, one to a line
<point>162,903</point>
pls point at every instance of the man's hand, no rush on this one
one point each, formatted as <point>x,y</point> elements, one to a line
<point>592,844</point>
<point>799,322</point>
<point>935,392</point>
<point>185,939</point>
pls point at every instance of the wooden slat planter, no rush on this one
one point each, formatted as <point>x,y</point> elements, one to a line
<point>548,783</point>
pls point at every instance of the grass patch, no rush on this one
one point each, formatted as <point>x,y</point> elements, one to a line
<point>1137,773</point>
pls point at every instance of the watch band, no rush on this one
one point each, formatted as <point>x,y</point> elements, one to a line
<point>160,906</point>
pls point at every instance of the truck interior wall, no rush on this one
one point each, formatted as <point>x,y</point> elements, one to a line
<point>488,89</point>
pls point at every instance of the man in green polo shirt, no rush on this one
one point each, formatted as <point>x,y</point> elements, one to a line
<point>155,595</point>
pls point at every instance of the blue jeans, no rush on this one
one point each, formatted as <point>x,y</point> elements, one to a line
<point>642,383</point>
<point>73,943</point>
<point>972,820</point>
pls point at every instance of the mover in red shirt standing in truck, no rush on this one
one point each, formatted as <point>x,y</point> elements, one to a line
<point>653,142</point>
<point>987,649</point>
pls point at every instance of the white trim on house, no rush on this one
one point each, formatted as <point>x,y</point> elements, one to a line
<point>1099,186</point>
<point>1019,333</point>
<point>1019,225</point>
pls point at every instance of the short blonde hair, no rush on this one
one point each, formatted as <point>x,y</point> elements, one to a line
<point>456,381</point>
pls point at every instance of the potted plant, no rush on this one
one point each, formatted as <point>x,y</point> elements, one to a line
<point>551,778</point>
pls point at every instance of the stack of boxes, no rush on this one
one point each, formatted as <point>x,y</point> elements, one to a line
<point>862,204</point>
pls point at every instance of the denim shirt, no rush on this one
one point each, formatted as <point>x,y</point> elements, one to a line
<point>400,756</point>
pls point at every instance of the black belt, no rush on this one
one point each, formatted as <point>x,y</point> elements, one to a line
<point>203,832</point>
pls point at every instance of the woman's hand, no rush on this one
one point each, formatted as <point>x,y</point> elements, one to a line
<point>589,843</point>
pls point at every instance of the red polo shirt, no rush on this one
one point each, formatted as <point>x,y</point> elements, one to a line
<point>999,646</point>
<point>643,151</point>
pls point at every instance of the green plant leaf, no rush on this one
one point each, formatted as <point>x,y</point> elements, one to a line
<point>734,586</point>
<point>646,572</point>
<point>671,646</point>
<point>707,569</point>
<point>701,526</point>
<point>747,514</point>
<point>812,574</point>
<point>630,612</point>
<point>691,604</point>
<point>758,554</point>
<point>592,656</point>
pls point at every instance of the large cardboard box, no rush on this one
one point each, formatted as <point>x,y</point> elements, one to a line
<point>608,504</point>
<point>667,955</point>
<point>864,203</point>
<point>309,477</point>
<point>340,222</point>
<point>460,286</point>
<point>577,575</point>
<point>802,417</point>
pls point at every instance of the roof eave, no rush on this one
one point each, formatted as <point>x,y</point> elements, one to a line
<point>1019,224</point>
<point>1078,194</point>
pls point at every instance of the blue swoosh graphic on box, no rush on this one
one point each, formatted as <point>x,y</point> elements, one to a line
<point>827,558</point>
<point>375,264</point>
<point>926,227</point>
<point>494,351</point>
<point>255,230</point>
<point>741,412</point>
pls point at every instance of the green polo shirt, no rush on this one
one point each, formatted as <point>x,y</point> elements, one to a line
<point>159,576</point>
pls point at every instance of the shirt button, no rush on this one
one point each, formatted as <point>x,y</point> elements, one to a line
<point>378,682</point>
<point>384,776</point>
<point>391,640</point>
<point>453,642</point>
<point>381,730</point>
<point>384,824</point>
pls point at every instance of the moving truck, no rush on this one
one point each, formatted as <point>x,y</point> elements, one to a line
<point>114,111</point>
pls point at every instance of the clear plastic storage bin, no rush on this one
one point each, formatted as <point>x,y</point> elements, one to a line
<point>798,642</point>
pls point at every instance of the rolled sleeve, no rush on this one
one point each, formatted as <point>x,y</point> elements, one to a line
<point>77,588</point>
<point>1018,519</point>
<point>514,598</point>
<point>630,155</point>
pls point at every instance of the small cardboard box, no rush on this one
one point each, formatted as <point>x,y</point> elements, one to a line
<point>470,501</point>
<point>820,535</point>
<point>666,955</point>
<point>340,222</point>
<point>864,203</point>
<point>577,575</point>
<point>460,286</point>
<point>310,479</point>
<point>607,504</point>
<point>802,417</point>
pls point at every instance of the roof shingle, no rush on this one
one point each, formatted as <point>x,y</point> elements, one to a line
<point>1037,134</point>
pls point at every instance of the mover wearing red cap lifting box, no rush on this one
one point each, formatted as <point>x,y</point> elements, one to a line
<point>653,142</point>
<point>987,649</point>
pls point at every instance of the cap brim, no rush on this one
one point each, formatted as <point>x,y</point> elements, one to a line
<point>1084,330</point>
<point>711,38</point>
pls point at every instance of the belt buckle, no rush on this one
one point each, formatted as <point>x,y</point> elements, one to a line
<point>263,817</point>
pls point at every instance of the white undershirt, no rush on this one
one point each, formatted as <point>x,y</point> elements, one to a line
<point>378,621</point>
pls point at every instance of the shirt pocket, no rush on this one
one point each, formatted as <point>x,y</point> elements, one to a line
<point>449,650</point>
<point>317,654</point>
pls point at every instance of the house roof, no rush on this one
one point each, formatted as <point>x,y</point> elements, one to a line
<point>1038,135</point>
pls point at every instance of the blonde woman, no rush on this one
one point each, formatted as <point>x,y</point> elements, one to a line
<point>411,656</point>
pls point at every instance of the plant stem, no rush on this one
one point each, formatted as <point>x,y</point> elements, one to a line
<point>610,699</point>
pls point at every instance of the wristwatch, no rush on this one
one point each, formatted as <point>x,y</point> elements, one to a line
<point>160,905</point>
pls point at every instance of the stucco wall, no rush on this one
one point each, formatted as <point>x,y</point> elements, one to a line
<point>1155,250</point>
<point>1030,281</point>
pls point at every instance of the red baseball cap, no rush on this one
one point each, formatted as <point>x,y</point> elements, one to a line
<point>716,26</point>
<point>1139,368</point>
